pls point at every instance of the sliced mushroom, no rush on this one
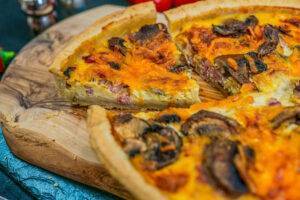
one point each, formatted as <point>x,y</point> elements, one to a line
<point>230,27</point>
<point>235,28</point>
<point>133,146</point>
<point>290,115</point>
<point>219,168</point>
<point>127,126</point>
<point>256,64</point>
<point>271,35</point>
<point>210,124</point>
<point>240,66</point>
<point>117,44</point>
<point>251,21</point>
<point>236,65</point>
<point>163,146</point>
<point>168,118</point>
<point>148,31</point>
<point>217,78</point>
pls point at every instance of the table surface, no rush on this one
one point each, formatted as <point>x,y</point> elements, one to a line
<point>14,34</point>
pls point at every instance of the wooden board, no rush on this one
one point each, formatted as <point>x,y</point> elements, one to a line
<point>39,126</point>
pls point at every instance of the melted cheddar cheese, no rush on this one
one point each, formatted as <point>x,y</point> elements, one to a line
<point>143,66</point>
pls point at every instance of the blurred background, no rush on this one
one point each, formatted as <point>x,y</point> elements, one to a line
<point>14,29</point>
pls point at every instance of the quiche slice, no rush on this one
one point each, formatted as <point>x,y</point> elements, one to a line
<point>226,149</point>
<point>126,60</point>
<point>231,44</point>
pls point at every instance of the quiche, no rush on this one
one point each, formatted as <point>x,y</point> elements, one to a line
<point>245,146</point>
<point>216,150</point>
<point>126,60</point>
<point>238,45</point>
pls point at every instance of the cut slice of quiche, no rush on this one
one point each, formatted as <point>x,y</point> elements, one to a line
<point>126,60</point>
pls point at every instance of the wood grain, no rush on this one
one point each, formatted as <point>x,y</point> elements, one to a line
<point>41,127</point>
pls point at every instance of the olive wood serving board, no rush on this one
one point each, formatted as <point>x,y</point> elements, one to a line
<point>42,128</point>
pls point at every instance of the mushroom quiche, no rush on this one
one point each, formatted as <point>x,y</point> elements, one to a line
<point>238,45</point>
<point>216,150</point>
<point>126,60</point>
<point>246,146</point>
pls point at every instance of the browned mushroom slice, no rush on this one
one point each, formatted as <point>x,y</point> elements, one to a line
<point>244,161</point>
<point>210,124</point>
<point>240,66</point>
<point>168,118</point>
<point>296,90</point>
<point>117,44</point>
<point>133,146</point>
<point>148,32</point>
<point>217,78</point>
<point>235,28</point>
<point>219,168</point>
<point>236,65</point>
<point>163,146</point>
<point>128,129</point>
<point>271,35</point>
<point>230,27</point>
<point>128,126</point>
<point>256,64</point>
<point>288,116</point>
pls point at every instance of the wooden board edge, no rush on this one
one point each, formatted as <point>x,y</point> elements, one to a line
<point>52,155</point>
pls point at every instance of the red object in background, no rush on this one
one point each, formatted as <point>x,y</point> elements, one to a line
<point>181,2</point>
<point>1,66</point>
<point>161,5</point>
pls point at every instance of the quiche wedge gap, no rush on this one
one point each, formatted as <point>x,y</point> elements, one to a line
<point>231,44</point>
<point>128,61</point>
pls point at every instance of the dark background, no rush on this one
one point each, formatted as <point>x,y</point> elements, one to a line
<point>14,34</point>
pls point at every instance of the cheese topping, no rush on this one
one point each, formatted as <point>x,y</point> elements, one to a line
<point>144,60</point>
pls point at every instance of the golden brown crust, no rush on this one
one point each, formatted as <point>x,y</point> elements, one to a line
<point>112,155</point>
<point>203,9</point>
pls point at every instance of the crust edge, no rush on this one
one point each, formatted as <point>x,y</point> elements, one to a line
<point>177,16</point>
<point>114,158</point>
<point>138,14</point>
